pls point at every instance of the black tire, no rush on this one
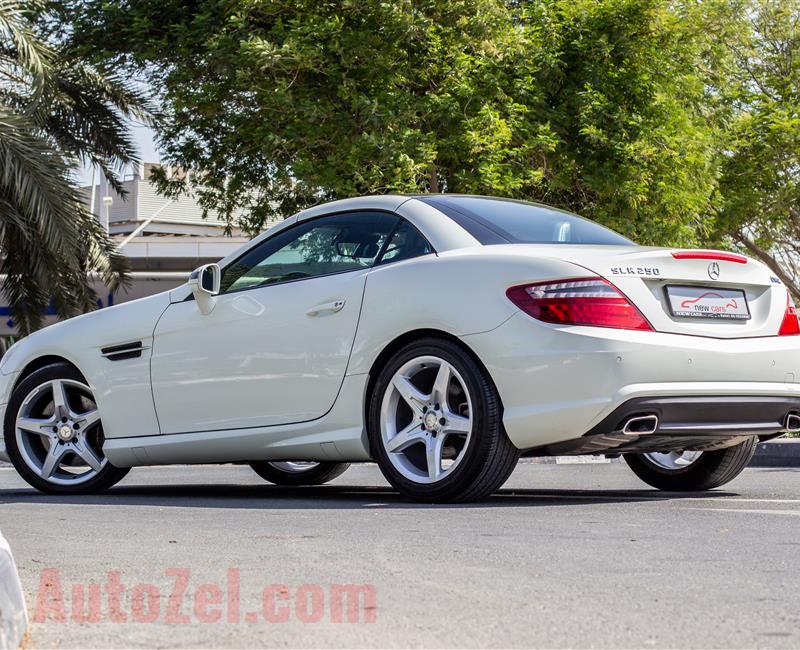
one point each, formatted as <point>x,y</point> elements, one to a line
<point>489,458</point>
<point>711,470</point>
<point>317,475</point>
<point>105,478</point>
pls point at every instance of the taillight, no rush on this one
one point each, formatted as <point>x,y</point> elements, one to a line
<point>585,301</point>
<point>790,326</point>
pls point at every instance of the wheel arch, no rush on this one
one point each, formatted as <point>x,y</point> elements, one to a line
<point>41,362</point>
<point>401,341</point>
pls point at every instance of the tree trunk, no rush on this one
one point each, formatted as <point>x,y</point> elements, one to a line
<point>433,179</point>
<point>770,261</point>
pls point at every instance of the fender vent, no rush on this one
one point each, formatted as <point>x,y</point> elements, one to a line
<point>131,350</point>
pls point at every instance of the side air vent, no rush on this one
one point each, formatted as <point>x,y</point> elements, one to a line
<point>131,350</point>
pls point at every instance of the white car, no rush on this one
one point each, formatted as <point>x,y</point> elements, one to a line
<point>442,336</point>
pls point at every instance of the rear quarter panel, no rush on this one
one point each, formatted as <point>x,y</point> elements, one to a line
<point>460,292</point>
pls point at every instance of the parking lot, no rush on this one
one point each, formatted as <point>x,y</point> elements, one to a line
<point>565,555</point>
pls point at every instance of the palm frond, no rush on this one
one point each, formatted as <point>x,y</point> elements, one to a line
<point>49,240</point>
<point>23,53</point>
<point>35,177</point>
<point>55,111</point>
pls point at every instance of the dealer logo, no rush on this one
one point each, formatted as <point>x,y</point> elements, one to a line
<point>713,270</point>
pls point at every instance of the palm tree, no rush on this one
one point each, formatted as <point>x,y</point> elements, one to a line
<point>55,112</point>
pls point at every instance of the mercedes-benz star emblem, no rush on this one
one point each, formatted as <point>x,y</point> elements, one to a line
<point>713,270</point>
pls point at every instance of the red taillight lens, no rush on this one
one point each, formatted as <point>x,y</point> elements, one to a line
<point>587,301</point>
<point>790,326</point>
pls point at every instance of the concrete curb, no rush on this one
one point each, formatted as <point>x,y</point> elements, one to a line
<point>570,460</point>
<point>13,615</point>
<point>784,452</point>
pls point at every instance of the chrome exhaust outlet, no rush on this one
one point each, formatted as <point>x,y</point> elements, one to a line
<point>792,423</point>
<point>642,425</point>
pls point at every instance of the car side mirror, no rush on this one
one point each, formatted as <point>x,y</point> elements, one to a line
<point>204,283</point>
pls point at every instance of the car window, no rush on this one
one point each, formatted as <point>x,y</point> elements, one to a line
<point>322,246</point>
<point>497,221</point>
<point>406,242</point>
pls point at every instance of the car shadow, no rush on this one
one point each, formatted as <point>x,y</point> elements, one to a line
<point>330,497</point>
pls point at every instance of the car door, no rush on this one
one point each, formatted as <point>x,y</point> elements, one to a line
<point>275,347</point>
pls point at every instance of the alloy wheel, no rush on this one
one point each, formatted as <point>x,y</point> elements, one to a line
<point>674,460</point>
<point>59,434</point>
<point>294,466</point>
<point>426,419</point>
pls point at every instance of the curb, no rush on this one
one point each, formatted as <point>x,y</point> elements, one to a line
<point>569,460</point>
<point>13,615</point>
<point>784,452</point>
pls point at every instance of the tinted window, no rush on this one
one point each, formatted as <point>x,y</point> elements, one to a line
<point>334,244</point>
<point>521,222</point>
<point>406,242</point>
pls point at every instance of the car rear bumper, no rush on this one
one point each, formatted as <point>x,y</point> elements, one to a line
<point>680,423</point>
<point>559,383</point>
<point>710,415</point>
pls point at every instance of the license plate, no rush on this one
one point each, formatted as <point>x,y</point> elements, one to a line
<point>708,302</point>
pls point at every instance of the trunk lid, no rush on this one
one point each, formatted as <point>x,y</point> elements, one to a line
<point>710,283</point>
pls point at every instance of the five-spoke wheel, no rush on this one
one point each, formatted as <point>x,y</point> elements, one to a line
<point>54,435</point>
<point>425,419</point>
<point>435,424</point>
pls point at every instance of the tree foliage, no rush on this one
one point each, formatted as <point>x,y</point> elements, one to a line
<point>756,55</point>
<point>587,104</point>
<point>54,111</point>
<point>675,123</point>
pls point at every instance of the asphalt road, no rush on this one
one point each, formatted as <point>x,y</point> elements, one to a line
<point>564,556</point>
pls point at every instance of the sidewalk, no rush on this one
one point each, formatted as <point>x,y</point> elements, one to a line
<point>783,452</point>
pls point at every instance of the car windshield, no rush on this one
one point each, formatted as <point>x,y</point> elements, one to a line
<point>499,221</point>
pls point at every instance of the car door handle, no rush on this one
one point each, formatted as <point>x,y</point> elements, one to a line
<point>332,307</point>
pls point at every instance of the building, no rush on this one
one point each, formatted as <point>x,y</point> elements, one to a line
<point>164,239</point>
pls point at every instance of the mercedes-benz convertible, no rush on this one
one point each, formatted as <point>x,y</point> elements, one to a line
<point>441,336</point>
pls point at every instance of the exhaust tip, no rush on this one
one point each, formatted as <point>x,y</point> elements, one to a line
<point>792,423</point>
<point>644,424</point>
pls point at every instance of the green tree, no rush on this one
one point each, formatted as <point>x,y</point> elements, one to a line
<point>623,97</point>
<point>755,48</point>
<point>293,102</point>
<point>593,105</point>
<point>54,112</point>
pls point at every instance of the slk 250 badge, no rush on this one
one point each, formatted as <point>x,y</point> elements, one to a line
<point>636,270</point>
